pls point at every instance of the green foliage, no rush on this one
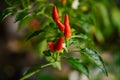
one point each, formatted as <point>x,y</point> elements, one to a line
<point>21,15</point>
<point>93,22</point>
<point>23,22</point>
<point>42,43</point>
<point>94,57</point>
<point>35,33</point>
<point>47,53</point>
<point>115,17</point>
<point>8,11</point>
<point>78,65</point>
<point>50,32</point>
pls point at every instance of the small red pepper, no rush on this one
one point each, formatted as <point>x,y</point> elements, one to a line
<point>68,31</point>
<point>51,46</point>
<point>60,25</point>
<point>55,14</point>
<point>59,44</point>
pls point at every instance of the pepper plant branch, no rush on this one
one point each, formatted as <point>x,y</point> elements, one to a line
<point>48,64</point>
<point>36,71</point>
<point>78,36</point>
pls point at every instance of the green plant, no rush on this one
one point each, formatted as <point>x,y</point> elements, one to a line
<point>59,37</point>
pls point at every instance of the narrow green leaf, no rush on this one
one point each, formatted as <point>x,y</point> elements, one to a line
<point>104,14</point>
<point>7,12</point>
<point>78,65</point>
<point>82,36</point>
<point>47,53</point>
<point>35,33</point>
<point>115,17</point>
<point>50,32</point>
<point>42,46</point>
<point>95,58</point>
<point>33,70</point>
<point>23,22</point>
<point>24,3</point>
<point>21,15</point>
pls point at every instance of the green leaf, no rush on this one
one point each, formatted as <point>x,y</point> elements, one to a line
<point>81,36</point>
<point>115,17</point>
<point>42,46</point>
<point>35,33</point>
<point>25,3</point>
<point>23,22</point>
<point>44,76</point>
<point>33,70</point>
<point>78,65</point>
<point>7,12</point>
<point>50,32</point>
<point>21,15</point>
<point>95,58</point>
<point>47,53</point>
<point>104,14</point>
<point>56,65</point>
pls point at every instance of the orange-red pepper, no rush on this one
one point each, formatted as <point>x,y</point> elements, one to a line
<point>51,46</point>
<point>59,44</point>
<point>60,25</point>
<point>68,31</point>
<point>55,14</point>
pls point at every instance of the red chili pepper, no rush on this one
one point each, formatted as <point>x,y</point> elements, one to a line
<point>60,25</point>
<point>66,19</point>
<point>51,46</point>
<point>59,43</point>
<point>55,14</point>
<point>68,31</point>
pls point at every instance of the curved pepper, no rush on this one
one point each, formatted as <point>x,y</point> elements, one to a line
<point>55,14</point>
<point>60,25</point>
<point>68,31</point>
<point>51,46</point>
<point>59,44</point>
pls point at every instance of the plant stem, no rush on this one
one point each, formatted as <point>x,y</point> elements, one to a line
<point>35,71</point>
<point>47,64</point>
<point>79,36</point>
<point>67,43</point>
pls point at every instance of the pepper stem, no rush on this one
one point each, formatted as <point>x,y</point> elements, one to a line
<point>58,56</point>
<point>67,43</point>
